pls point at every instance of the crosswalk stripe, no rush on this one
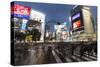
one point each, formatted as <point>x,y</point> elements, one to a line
<point>68,59</point>
<point>61,56</point>
<point>58,51</point>
<point>84,57</point>
<point>91,57</point>
<point>56,57</point>
<point>76,58</point>
<point>87,58</point>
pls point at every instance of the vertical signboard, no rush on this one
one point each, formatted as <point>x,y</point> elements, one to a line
<point>23,27</point>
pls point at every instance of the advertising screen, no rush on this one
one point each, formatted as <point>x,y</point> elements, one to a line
<point>76,16</point>
<point>23,27</point>
<point>77,24</point>
<point>20,11</point>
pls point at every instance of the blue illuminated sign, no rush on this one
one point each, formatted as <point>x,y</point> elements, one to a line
<point>23,27</point>
<point>21,16</point>
<point>76,16</point>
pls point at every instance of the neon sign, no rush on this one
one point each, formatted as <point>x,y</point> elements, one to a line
<point>76,16</point>
<point>20,11</point>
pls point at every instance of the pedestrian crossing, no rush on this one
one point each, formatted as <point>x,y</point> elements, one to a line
<point>58,60</point>
<point>87,57</point>
<point>83,58</point>
<point>68,59</point>
<point>74,58</point>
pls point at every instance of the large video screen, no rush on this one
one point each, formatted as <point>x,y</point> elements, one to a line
<point>76,24</point>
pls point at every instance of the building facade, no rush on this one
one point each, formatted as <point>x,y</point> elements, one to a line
<point>82,24</point>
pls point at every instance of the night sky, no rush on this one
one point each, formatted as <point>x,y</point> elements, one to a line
<point>55,12</point>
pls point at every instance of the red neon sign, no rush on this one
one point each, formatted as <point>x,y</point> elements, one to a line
<point>21,10</point>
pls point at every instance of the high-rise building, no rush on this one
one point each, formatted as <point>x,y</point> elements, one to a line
<point>39,18</point>
<point>82,23</point>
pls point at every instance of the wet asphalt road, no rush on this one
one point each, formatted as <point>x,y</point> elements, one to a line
<point>29,54</point>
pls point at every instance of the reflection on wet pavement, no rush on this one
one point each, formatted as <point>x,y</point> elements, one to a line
<point>26,54</point>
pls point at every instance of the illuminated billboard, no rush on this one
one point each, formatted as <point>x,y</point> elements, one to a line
<point>20,11</point>
<point>23,27</point>
<point>76,16</point>
<point>77,24</point>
